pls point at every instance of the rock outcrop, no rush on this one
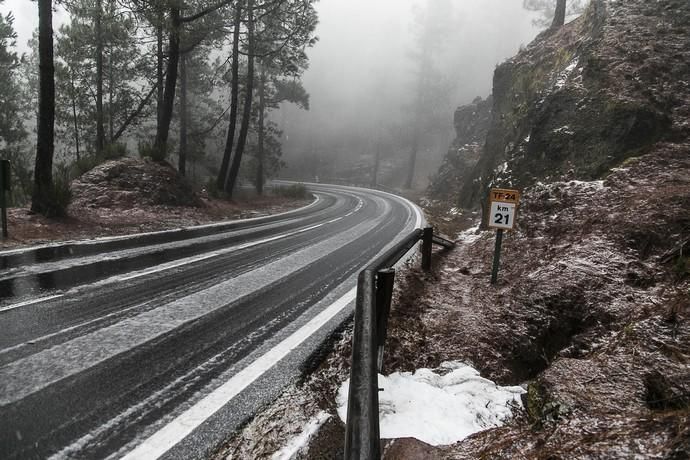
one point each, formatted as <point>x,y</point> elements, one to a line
<point>471,127</point>
<point>583,98</point>
<point>130,182</point>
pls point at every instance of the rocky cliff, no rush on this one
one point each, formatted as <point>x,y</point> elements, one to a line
<point>471,127</point>
<point>583,98</point>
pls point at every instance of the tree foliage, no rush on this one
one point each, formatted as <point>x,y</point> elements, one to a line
<point>13,110</point>
<point>137,72</point>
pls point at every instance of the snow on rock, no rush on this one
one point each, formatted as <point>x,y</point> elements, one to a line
<point>440,406</point>
<point>565,74</point>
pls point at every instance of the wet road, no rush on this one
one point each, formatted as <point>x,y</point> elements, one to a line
<point>162,344</point>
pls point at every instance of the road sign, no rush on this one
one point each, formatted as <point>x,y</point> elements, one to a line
<point>503,208</point>
<point>503,205</point>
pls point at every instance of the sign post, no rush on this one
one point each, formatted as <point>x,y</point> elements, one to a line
<point>4,190</point>
<point>503,205</point>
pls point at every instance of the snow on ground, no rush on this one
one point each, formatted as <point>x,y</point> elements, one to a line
<point>302,440</point>
<point>469,236</point>
<point>440,406</point>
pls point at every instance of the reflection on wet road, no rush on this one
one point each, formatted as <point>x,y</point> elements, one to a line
<point>107,344</point>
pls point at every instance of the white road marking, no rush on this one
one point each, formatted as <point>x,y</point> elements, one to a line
<point>182,262</point>
<point>35,372</point>
<point>172,433</point>
<point>30,302</point>
<point>183,425</point>
<point>165,438</point>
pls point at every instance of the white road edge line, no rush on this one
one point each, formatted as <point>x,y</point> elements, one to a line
<point>179,428</point>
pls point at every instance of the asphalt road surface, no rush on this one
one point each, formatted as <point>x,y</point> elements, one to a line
<point>159,346</point>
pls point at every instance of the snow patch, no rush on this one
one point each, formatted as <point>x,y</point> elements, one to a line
<point>469,236</point>
<point>565,74</point>
<point>298,443</point>
<point>594,184</point>
<point>440,406</point>
<point>564,130</point>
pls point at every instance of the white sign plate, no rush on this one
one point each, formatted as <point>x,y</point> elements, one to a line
<point>502,215</point>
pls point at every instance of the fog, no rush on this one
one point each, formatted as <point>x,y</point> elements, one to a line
<point>363,78</point>
<point>384,78</point>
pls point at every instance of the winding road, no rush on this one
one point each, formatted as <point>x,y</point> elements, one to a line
<point>160,345</point>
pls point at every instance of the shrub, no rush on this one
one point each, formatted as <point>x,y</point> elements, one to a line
<point>212,189</point>
<point>85,163</point>
<point>148,150</point>
<point>295,191</point>
<point>61,193</point>
<point>114,151</point>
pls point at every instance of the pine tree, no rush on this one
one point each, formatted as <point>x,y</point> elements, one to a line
<point>13,133</point>
<point>43,199</point>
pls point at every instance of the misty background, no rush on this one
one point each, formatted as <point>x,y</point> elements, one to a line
<point>363,79</point>
<point>384,79</point>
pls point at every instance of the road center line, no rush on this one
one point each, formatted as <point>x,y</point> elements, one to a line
<point>187,261</point>
<point>30,302</point>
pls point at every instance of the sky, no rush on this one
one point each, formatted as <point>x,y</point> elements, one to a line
<point>25,14</point>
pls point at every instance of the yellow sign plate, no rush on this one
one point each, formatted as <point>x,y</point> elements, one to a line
<point>504,195</point>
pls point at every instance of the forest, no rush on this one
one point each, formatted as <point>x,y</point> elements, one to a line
<point>151,77</point>
<point>195,84</point>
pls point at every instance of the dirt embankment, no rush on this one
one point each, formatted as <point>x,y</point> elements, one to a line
<point>592,313</point>
<point>131,195</point>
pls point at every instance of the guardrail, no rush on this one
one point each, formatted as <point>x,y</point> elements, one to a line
<point>374,295</point>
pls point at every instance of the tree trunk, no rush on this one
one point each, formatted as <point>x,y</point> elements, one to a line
<point>559,16</point>
<point>182,160</point>
<point>42,200</point>
<point>247,112</point>
<point>377,163</point>
<point>261,135</point>
<point>412,162</point>
<point>163,130</point>
<point>234,99</point>
<point>100,131</point>
<point>75,121</point>
<point>111,96</point>
<point>159,68</point>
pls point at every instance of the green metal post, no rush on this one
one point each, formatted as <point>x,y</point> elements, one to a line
<point>497,256</point>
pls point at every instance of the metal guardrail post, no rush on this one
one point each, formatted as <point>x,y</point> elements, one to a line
<point>427,240</point>
<point>374,294</point>
<point>384,295</point>
<point>362,434</point>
